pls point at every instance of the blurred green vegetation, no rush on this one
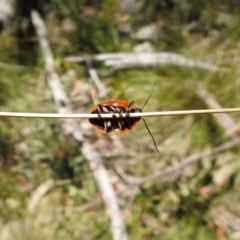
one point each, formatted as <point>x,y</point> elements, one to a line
<point>34,150</point>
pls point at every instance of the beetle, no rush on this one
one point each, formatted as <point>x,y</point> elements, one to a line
<point>114,125</point>
<point>117,125</point>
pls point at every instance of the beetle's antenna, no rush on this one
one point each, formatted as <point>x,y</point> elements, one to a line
<point>150,134</point>
<point>149,96</point>
<point>145,121</point>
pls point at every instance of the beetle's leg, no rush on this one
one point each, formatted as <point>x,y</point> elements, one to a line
<point>116,109</point>
<point>107,126</point>
<point>120,124</point>
<point>113,108</point>
<point>102,109</point>
<point>130,106</point>
<point>120,111</point>
<point>99,110</point>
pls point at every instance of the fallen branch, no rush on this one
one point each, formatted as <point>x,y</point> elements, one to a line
<point>7,13</point>
<point>134,182</point>
<point>38,194</point>
<point>102,90</point>
<point>224,119</point>
<point>187,161</point>
<point>71,127</point>
<point>119,61</point>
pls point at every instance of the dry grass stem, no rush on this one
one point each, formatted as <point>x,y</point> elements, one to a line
<point>133,115</point>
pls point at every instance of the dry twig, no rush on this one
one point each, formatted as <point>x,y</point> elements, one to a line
<point>224,119</point>
<point>102,91</point>
<point>123,115</point>
<point>71,127</point>
<point>39,193</point>
<point>134,182</point>
<point>188,160</point>
<point>120,61</point>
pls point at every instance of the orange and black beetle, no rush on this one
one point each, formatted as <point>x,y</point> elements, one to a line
<point>114,125</point>
<point>117,125</point>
